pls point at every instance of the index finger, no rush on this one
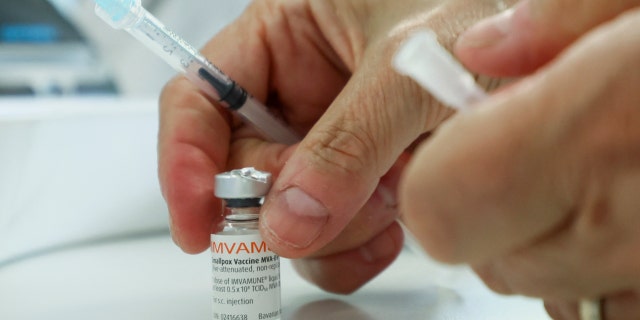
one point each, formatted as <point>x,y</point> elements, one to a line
<point>193,144</point>
<point>195,136</point>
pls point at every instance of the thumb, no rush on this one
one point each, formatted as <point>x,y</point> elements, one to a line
<point>521,39</point>
<point>335,170</point>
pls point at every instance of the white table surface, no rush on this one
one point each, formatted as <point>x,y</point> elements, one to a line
<point>76,169</point>
<point>150,278</point>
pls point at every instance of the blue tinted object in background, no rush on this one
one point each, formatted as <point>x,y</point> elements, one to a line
<point>34,21</point>
<point>118,9</point>
<point>34,33</point>
<point>43,54</point>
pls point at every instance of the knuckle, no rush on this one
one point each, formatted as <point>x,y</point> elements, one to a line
<point>343,147</point>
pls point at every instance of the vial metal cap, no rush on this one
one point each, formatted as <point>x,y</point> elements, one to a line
<point>243,183</point>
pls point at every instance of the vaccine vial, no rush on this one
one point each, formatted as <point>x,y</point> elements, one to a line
<point>246,274</point>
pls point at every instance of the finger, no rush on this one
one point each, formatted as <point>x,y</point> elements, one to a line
<point>521,40</point>
<point>468,195</point>
<point>337,167</point>
<point>347,271</point>
<point>562,310</point>
<point>192,148</point>
<point>620,306</point>
<point>287,48</point>
<point>290,69</point>
<point>378,214</point>
<point>556,271</point>
<point>377,217</point>
<point>589,254</point>
<point>194,139</point>
<point>514,171</point>
<point>272,61</point>
<point>587,257</point>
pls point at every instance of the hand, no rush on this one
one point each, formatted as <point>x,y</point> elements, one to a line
<point>520,40</point>
<point>324,66</point>
<point>537,188</point>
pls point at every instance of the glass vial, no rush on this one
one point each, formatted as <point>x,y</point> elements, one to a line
<point>246,274</point>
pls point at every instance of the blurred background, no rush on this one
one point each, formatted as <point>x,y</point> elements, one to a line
<point>78,122</point>
<point>83,226</point>
<point>59,47</point>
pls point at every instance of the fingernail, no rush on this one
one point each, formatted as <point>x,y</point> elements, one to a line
<point>381,248</point>
<point>295,218</point>
<point>488,32</point>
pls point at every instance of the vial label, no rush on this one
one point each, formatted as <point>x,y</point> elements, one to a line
<point>246,278</point>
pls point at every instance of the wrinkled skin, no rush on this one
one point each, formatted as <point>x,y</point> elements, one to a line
<point>324,67</point>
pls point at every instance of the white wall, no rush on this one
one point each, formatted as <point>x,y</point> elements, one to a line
<point>73,170</point>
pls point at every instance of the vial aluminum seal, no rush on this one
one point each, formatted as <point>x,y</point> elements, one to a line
<point>242,184</point>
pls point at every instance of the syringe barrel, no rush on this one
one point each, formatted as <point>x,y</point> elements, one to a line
<point>269,126</point>
<point>132,17</point>
<point>119,14</point>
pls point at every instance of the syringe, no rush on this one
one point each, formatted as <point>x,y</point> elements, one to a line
<point>426,61</point>
<point>132,17</point>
